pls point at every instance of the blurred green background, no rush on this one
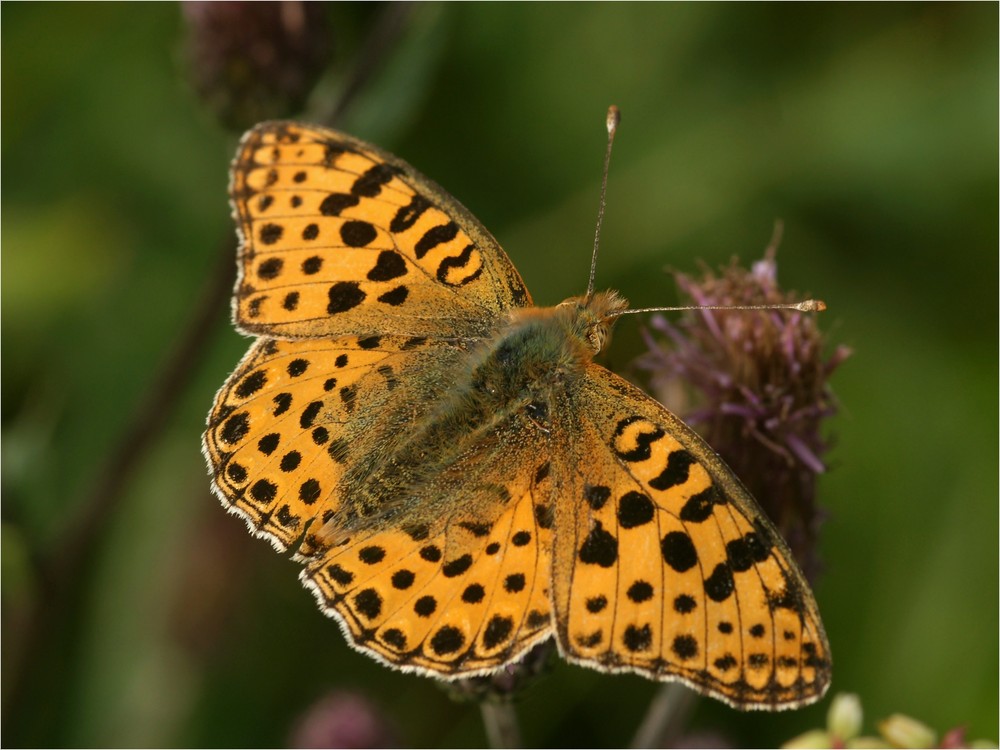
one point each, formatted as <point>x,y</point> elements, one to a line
<point>871,130</point>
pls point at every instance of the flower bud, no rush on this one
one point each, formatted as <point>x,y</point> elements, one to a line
<point>867,742</point>
<point>759,380</point>
<point>343,719</point>
<point>256,61</point>
<point>814,738</point>
<point>844,717</point>
<point>904,731</point>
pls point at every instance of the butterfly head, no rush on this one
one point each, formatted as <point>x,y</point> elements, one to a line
<point>592,317</point>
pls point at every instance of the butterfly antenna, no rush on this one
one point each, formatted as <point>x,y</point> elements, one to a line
<point>809,305</point>
<point>614,117</point>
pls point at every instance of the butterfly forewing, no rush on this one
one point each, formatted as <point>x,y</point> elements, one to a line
<point>668,568</point>
<point>296,414</point>
<point>341,238</point>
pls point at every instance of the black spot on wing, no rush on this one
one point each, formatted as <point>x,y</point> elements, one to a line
<point>235,428</point>
<point>372,554</point>
<point>599,548</point>
<point>685,647</point>
<point>643,440</point>
<point>640,591</point>
<point>409,214</point>
<point>678,551</point>
<point>335,203</point>
<point>403,579</point>
<point>457,566</point>
<point>236,472</point>
<point>339,575</point>
<point>597,604</point>
<point>745,551</point>
<point>395,638</point>
<point>498,630</point>
<point>368,603</point>
<point>344,296</point>
<point>514,583</point>
<point>455,262</point>
<point>425,606</point>
<point>282,403</point>
<point>269,234</point>
<point>447,640</point>
<point>357,233</point>
<point>434,237</point>
<point>369,184</point>
<point>700,506</point>
<point>675,472</point>
<point>251,384</point>
<point>473,594</point>
<point>395,296</point>
<point>634,509</point>
<point>389,265</point>
<point>638,638</point>
<point>684,604</point>
<point>521,538</point>
<point>263,491</point>
<point>596,495</point>
<point>719,585</point>
<point>268,443</point>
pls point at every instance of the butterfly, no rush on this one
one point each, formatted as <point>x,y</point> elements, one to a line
<point>459,478</point>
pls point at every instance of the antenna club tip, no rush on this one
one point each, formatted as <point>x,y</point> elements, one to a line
<point>614,117</point>
<point>812,305</point>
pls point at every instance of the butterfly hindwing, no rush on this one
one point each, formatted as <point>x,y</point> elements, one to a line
<point>340,238</point>
<point>667,567</point>
<point>465,601</point>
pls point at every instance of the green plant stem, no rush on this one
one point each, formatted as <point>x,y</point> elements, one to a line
<point>502,727</point>
<point>665,716</point>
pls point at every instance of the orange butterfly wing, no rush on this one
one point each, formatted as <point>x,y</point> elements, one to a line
<point>461,603</point>
<point>665,566</point>
<point>293,415</point>
<point>340,238</point>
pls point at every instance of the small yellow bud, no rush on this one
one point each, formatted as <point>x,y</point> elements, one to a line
<point>811,740</point>
<point>905,731</point>
<point>867,742</point>
<point>844,717</point>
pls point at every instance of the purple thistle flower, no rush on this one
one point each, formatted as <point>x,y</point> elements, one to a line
<point>754,385</point>
<point>256,61</point>
<point>345,719</point>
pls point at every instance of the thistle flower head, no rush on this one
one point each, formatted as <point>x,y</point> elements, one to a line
<point>256,61</point>
<point>343,718</point>
<point>760,382</point>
